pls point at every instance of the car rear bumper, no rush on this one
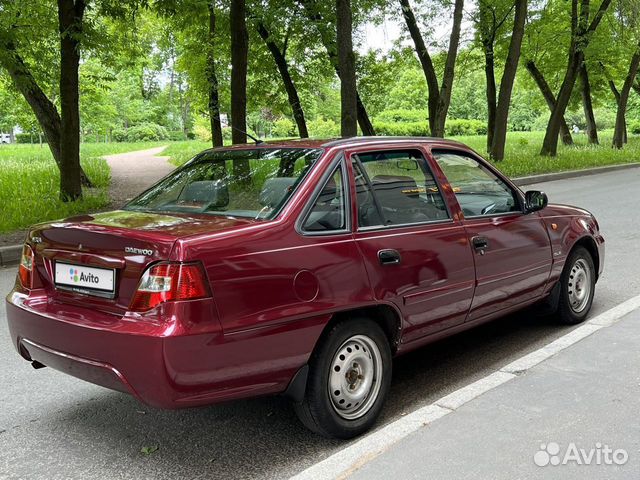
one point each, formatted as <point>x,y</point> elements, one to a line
<point>165,365</point>
<point>127,362</point>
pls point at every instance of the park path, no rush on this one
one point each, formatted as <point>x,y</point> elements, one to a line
<point>133,172</point>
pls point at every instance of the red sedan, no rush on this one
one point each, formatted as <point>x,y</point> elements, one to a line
<point>297,267</point>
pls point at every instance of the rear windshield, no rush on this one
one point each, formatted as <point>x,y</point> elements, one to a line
<point>254,183</point>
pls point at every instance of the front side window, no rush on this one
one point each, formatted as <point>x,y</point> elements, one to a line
<point>477,189</point>
<point>329,210</point>
<point>396,188</point>
<point>254,183</point>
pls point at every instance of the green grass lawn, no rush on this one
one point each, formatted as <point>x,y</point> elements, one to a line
<point>522,153</point>
<point>29,183</point>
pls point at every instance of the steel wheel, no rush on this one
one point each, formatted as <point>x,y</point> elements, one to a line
<point>355,377</point>
<point>579,286</point>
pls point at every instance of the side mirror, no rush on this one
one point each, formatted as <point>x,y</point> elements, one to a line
<point>534,201</point>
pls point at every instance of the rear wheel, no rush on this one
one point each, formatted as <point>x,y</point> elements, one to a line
<point>349,377</point>
<point>577,287</point>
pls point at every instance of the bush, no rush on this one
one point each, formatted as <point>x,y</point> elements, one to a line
<point>634,127</point>
<point>420,129</point>
<point>26,138</point>
<point>457,127</point>
<point>177,136</point>
<point>283,127</point>
<point>322,128</point>
<point>147,132</point>
<point>144,132</point>
<point>401,116</point>
<point>405,129</point>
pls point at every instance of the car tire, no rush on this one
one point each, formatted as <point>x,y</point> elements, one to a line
<point>349,378</point>
<point>577,287</point>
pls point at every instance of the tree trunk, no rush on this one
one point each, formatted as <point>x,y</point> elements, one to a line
<point>579,43</point>
<point>508,78</point>
<point>491,91</point>
<point>70,15</point>
<point>239,53</point>
<point>289,86</point>
<point>347,66</point>
<point>587,106</point>
<point>550,99</point>
<point>212,79</point>
<point>329,42</point>
<point>619,133</point>
<point>439,96</point>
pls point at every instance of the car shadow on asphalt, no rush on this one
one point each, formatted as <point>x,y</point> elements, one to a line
<point>262,437</point>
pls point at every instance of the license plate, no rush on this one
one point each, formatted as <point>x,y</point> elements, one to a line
<point>85,279</point>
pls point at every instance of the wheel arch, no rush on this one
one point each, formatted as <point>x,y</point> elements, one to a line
<point>589,244</point>
<point>386,316</point>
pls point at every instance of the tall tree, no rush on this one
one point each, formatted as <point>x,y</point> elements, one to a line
<point>279,56</point>
<point>587,105</point>
<point>488,24</point>
<point>70,18</point>
<point>499,136</point>
<point>550,99</point>
<point>347,66</point>
<point>212,79</point>
<point>439,94</point>
<point>61,130</point>
<point>239,59</point>
<point>619,134</point>
<point>582,30</point>
<point>328,38</point>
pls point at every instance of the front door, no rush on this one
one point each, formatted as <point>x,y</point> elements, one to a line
<point>416,255</point>
<point>512,250</point>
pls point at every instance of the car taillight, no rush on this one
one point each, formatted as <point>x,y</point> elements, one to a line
<point>25,270</point>
<point>167,282</point>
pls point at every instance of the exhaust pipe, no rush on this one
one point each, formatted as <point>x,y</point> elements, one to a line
<point>37,365</point>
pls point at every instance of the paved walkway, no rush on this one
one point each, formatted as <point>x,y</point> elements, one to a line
<point>574,416</point>
<point>133,172</point>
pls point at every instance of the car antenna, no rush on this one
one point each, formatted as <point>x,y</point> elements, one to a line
<point>257,140</point>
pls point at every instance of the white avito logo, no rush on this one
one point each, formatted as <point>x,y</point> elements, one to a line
<point>549,454</point>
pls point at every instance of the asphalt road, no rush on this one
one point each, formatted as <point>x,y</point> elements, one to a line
<point>54,426</point>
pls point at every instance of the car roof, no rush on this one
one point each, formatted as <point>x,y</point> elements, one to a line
<point>344,142</point>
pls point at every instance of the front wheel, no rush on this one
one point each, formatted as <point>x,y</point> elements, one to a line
<point>349,377</point>
<point>577,287</point>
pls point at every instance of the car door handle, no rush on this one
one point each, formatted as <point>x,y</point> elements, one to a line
<point>480,243</point>
<point>389,257</point>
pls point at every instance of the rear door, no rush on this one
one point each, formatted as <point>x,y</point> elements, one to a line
<point>416,255</point>
<point>512,250</point>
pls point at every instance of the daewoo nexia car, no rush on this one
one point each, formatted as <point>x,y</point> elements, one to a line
<point>298,267</point>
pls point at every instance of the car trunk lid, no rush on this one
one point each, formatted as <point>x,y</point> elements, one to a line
<point>121,243</point>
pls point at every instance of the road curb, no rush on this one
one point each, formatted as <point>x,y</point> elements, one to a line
<point>550,177</point>
<point>11,255</point>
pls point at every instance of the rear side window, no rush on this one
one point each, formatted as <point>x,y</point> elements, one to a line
<point>328,213</point>
<point>396,188</point>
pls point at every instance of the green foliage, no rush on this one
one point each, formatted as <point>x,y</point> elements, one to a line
<point>283,127</point>
<point>25,138</point>
<point>456,127</point>
<point>402,115</point>
<point>145,132</point>
<point>404,129</point>
<point>634,127</point>
<point>321,128</point>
